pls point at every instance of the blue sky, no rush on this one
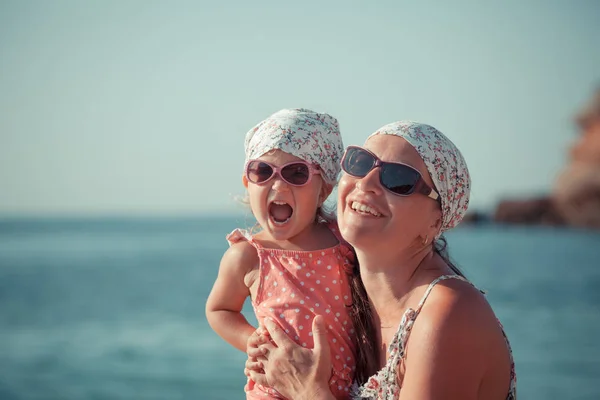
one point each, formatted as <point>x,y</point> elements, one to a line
<point>142,106</point>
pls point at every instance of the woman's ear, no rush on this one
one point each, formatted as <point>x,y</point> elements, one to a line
<point>437,224</point>
<point>245,181</point>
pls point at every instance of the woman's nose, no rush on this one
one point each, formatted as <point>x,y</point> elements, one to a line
<point>370,183</point>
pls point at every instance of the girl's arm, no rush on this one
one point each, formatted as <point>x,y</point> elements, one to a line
<point>226,299</point>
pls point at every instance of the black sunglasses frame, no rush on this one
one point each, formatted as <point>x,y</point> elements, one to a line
<point>420,186</point>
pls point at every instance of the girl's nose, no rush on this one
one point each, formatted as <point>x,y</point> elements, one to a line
<point>280,184</point>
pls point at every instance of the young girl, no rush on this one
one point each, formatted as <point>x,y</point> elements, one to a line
<point>294,268</point>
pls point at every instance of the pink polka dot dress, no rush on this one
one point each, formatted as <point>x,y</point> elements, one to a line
<point>294,286</point>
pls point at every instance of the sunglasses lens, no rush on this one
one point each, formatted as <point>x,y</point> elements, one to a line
<point>358,162</point>
<point>296,174</point>
<point>259,172</point>
<point>399,179</point>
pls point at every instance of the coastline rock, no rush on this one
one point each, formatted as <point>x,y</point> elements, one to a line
<point>575,197</point>
<point>538,211</point>
<point>577,189</point>
<point>475,217</point>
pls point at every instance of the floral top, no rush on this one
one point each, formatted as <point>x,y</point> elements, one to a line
<point>384,385</point>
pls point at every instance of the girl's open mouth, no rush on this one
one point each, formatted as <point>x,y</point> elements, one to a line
<point>280,212</point>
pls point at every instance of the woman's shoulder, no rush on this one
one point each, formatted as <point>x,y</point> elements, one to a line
<point>456,303</point>
<point>456,320</point>
<point>455,339</point>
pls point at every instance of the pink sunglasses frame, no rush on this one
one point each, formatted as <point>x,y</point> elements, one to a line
<point>312,170</point>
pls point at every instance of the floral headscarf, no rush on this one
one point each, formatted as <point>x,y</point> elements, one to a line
<point>311,136</point>
<point>445,164</point>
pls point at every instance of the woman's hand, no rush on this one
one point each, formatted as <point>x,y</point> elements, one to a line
<point>255,356</point>
<point>294,371</point>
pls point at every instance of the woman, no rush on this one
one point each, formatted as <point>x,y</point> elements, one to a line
<point>424,332</point>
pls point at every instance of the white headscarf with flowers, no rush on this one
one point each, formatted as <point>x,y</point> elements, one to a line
<point>445,164</point>
<point>313,137</point>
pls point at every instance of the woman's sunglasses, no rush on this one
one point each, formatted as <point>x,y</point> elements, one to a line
<point>296,173</point>
<point>400,179</point>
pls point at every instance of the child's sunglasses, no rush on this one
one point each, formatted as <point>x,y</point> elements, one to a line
<point>400,179</point>
<point>296,173</point>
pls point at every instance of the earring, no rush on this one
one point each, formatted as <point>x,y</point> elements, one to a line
<point>426,239</point>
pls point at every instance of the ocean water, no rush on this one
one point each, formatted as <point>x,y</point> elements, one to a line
<point>114,308</point>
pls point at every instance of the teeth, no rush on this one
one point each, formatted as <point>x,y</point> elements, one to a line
<point>280,222</point>
<point>279,203</point>
<point>364,208</point>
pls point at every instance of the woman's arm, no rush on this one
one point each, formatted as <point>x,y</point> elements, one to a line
<point>448,351</point>
<point>296,372</point>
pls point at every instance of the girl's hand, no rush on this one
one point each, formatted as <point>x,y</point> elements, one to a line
<point>294,371</point>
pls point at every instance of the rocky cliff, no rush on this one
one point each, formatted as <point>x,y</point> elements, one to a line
<point>575,196</point>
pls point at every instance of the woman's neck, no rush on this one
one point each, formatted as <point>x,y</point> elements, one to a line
<point>390,278</point>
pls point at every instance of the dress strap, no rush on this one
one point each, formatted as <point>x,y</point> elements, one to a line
<point>333,227</point>
<point>346,250</point>
<point>398,343</point>
<point>435,282</point>
<point>239,235</point>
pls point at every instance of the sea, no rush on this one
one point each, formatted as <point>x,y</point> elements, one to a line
<point>113,308</point>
